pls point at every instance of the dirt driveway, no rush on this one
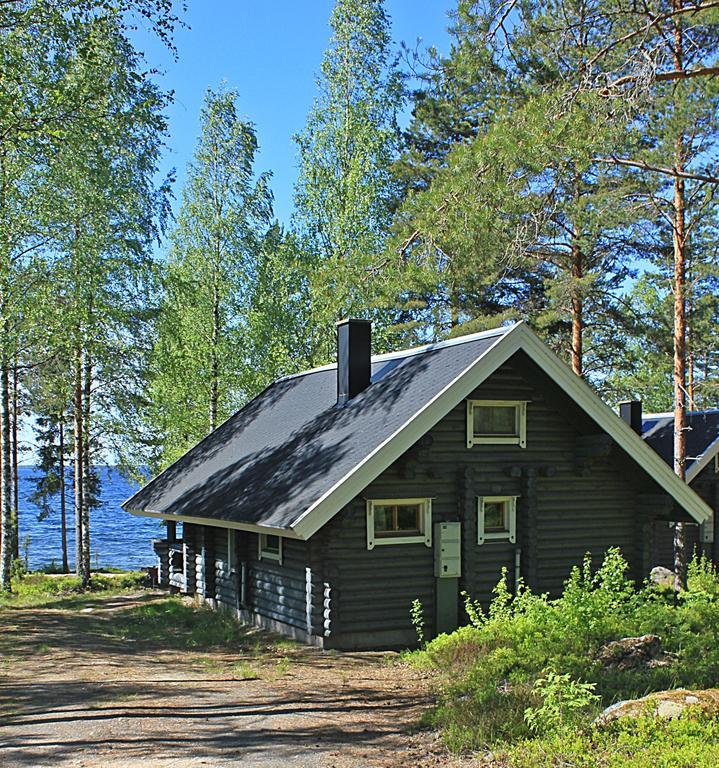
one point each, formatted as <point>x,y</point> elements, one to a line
<point>76,691</point>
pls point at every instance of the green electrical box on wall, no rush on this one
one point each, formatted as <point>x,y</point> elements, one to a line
<point>448,550</point>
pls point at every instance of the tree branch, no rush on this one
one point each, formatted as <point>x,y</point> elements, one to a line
<point>644,166</point>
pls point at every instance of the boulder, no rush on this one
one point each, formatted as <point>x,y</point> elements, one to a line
<point>666,704</point>
<point>662,577</point>
<point>643,652</point>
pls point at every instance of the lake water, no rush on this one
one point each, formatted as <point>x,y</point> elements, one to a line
<point>117,539</point>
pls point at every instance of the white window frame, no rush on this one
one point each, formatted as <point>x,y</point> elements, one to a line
<point>520,409</point>
<point>231,552</point>
<point>423,537</point>
<point>509,535</point>
<point>263,553</point>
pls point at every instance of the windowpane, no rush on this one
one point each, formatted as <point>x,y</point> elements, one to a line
<point>383,519</point>
<point>397,519</point>
<point>271,544</point>
<point>495,420</point>
<point>495,516</point>
<point>408,517</point>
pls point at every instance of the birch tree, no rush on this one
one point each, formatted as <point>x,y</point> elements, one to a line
<point>200,349</point>
<point>345,191</point>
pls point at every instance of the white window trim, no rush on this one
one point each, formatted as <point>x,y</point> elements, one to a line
<point>519,439</point>
<point>424,537</point>
<point>511,534</point>
<point>263,553</point>
<point>231,553</point>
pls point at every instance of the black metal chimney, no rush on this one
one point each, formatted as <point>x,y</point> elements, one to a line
<point>631,412</point>
<point>354,349</point>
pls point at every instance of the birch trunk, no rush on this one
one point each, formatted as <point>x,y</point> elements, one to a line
<point>6,547</point>
<point>79,475</point>
<point>86,483</point>
<point>63,499</point>
<point>215,372</point>
<point>15,471</point>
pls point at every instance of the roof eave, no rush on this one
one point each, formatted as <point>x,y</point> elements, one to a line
<point>288,533</point>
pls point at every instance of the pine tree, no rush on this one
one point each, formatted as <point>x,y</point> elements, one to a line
<point>520,220</point>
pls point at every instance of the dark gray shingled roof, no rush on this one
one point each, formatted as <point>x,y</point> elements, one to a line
<point>286,448</point>
<point>702,436</point>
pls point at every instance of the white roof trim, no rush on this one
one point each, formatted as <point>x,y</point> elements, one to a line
<point>702,460</point>
<point>286,532</point>
<point>509,341</point>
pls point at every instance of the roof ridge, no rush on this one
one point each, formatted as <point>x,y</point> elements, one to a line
<point>410,351</point>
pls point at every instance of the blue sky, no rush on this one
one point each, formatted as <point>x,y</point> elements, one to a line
<point>270,53</point>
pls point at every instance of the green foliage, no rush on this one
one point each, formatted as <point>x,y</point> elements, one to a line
<point>345,190</point>
<point>417,615</point>
<point>564,702</point>
<point>691,741</point>
<point>490,669</point>
<point>200,351</point>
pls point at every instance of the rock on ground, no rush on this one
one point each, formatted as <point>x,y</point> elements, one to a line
<point>668,704</point>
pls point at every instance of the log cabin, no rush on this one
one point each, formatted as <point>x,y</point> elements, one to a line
<point>337,496</point>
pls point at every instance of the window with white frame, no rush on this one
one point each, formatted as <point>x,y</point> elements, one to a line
<point>399,521</point>
<point>497,422</point>
<point>496,518</point>
<point>270,547</point>
<point>231,550</point>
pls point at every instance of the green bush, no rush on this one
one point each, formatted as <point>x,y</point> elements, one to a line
<point>489,669</point>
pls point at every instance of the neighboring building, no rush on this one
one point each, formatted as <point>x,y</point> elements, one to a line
<point>337,496</point>
<point>702,470</point>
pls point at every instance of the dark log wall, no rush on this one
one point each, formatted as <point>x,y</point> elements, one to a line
<point>706,484</point>
<point>577,493</point>
<point>291,593</point>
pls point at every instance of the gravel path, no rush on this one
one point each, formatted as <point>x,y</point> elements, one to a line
<point>73,693</point>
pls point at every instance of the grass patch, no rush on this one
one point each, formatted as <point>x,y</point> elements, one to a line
<point>37,589</point>
<point>531,660</point>
<point>179,624</point>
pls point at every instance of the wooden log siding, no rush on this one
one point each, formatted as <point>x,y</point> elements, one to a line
<point>280,591</point>
<point>577,493</point>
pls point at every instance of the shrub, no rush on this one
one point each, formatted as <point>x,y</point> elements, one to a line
<point>495,669</point>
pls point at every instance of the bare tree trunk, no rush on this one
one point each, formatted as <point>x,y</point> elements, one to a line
<point>15,477</point>
<point>690,341</point>
<point>577,312</point>
<point>86,560</point>
<point>63,499</point>
<point>679,240</point>
<point>78,455</point>
<point>215,369</point>
<point>6,548</point>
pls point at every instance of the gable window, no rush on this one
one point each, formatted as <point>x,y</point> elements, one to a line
<point>399,521</point>
<point>497,422</point>
<point>496,518</point>
<point>270,547</point>
<point>231,551</point>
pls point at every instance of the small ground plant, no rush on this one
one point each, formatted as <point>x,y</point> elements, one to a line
<point>528,664</point>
